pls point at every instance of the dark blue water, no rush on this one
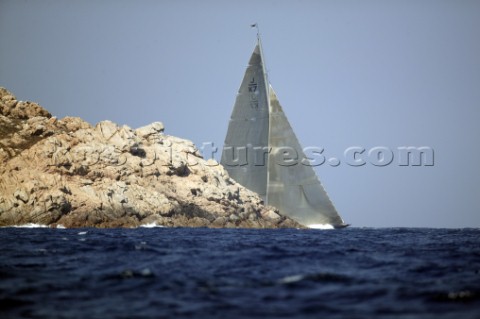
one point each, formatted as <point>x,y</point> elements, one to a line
<point>231,273</point>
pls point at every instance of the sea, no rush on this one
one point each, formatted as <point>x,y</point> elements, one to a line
<point>239,273</point>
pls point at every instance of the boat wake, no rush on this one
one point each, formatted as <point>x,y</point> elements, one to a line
<point>151,225</point>
<point>320,226</point>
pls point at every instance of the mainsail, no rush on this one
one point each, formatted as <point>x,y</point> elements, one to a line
<point>248,129</point>
<point>258,136</point>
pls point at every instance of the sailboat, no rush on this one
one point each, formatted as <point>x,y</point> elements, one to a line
<point>262,153</point>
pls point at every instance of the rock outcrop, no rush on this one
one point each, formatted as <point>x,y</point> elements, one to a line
<point>68,172</point>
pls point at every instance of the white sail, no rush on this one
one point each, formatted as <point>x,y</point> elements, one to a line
<point>293,186</point>
<point>247,134</point>
<point>258,135</point>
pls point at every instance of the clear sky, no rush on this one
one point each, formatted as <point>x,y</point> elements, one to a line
<point>348,73</point>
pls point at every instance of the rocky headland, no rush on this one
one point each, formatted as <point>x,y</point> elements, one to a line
<point>67,172</point>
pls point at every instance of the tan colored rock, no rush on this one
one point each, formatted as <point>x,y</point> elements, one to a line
<point>152,129</point>
<point>67,172</point>
<point>270,214</point>
<point>71,124</point>
<point>10,107</point>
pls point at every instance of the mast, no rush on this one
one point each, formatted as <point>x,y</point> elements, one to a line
<point>262,57</point>
<point>267,91</point>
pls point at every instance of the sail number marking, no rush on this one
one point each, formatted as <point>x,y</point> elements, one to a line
<point>253,93</point>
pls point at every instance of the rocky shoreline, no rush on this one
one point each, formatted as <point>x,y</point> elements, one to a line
<point>67,172</point>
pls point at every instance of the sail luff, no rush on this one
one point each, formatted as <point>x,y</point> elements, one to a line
<point>264,65</point>
<point>267,87</point>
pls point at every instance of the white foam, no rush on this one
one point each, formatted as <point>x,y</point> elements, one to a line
<point>82,233</point>
<point>291,279</point>
<point>151,225</point>
<point>320,226</point>
<point>146,272</point>
<point>30,225</point>
<point>33,225</point>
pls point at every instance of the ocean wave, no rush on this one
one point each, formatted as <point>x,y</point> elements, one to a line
<point>239,273</point>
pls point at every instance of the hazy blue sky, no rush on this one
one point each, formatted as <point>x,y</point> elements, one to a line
<point>348,73</point>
